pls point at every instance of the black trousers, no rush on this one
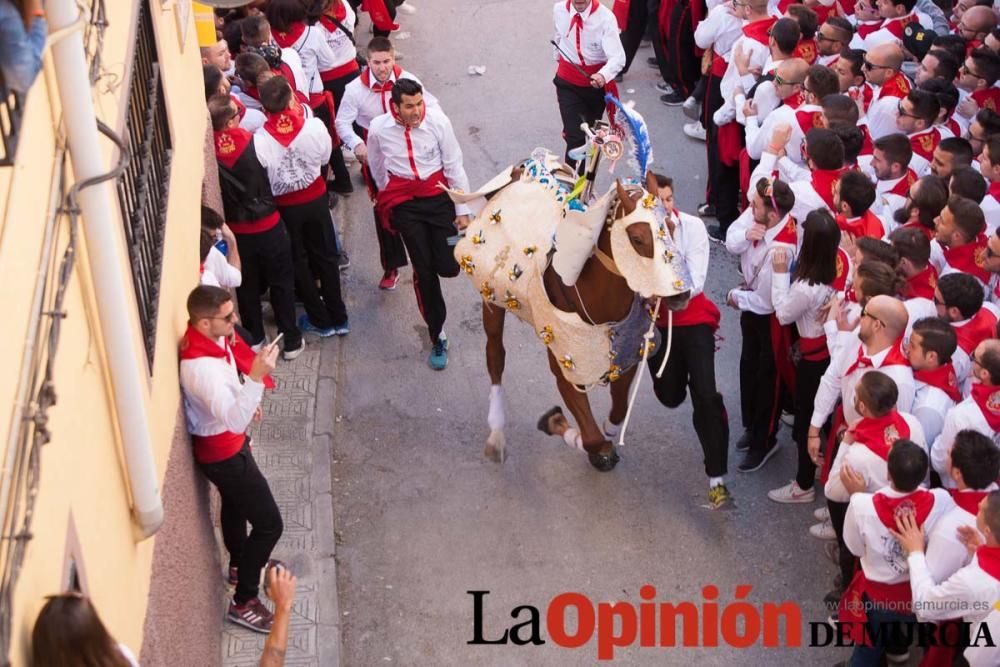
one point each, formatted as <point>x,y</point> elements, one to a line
<point>692,365</point>
<point>314,249</point>
<point>807,377</point>
<point>679,53</point>
<point>758,381</point>
<point>268,264</point>
<point>635,30</point>
<point>425,225</point>
<point>341,176</point>
<point>838,512</point>
<point>337,86</point>
<point>391,251</point>
<point>723,180</point>
<point>577,104</point>
<point>391,6</point>
<point>246,498</point>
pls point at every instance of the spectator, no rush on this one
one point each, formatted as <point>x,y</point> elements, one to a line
<point>22,39</point>
<point>69,633</point>
<point>281,590</point>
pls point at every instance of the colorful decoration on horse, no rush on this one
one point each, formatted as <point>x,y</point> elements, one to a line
<point>495,217</point>
<point>649,201</point>
<point>546,335</point>
<point>613,373</point>
<point>515,273</point>
<point>567,362</point>
<point>486,291</point>
<point>511,301</point>
<point>467,264</point>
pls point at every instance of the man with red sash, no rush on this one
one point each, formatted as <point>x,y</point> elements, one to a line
<point>223,383</point>
<point>824,153</point>
<point>961,241</point>
<point>253,216</point>
<point>973,589</point>
<point>365,98</point>
<point>959,301</point>
<point>930,349</point>
<point>882,70</point>
<point>918,112</point>
<point>294,150</point>
<point>890,162</point>
<point>412,152</point>
<point>878,596</point>
<point>979,412</point>
<point>989,167</point>
<point>853,196</point>
<point>764,226</point>
<point>589,57</point>
<point>692,361</point>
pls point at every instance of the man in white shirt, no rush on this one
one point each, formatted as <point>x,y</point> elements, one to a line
<point>812,185</point>
<point>222,383</point>
<point>763,227</point>
<point>831,38</point>
<point>931,346</point>
<point>989,167</point>
<point>589,57</point>
<point>890,163</point>
<point>411,151</point>
<point>882,70</point>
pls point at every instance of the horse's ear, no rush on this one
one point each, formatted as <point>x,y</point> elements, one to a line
<point>651,185</point>
<point>515,173</point>
<point>627,204</point>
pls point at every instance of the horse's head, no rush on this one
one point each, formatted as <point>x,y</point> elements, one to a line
<point>642,246</point>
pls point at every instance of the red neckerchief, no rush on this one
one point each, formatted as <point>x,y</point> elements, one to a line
<point>866,28</point>
<point>795,100</point>
<point>865,225</point>
<point>980,327</point>
<point>953,127</point>
<point>252,91</point>
<point>968,499</point>
<point>195,344</point>
<point>942,377</point>
<point>989,560</point>
<point>576,22</point>
<point>286,39</point>
<point>379,14</point>
<point>902,188</point>
<point>230,144</point>
<point>971,45</point>
<point>994,190</point>
<point>842,271</point>
<point>809,119</point>
<point>895,357</point>
<point>898,86</point>
<point>406,135</point>
<point>921,285</point>
<point>758,30</point>
<point>383,88</point>
<point>924,143</point>
<point>919,504</point>
<point>987,397</point>
<point>867,145</point>
<point>926,231</point>
<point>788,233</point>
<point>879,433</point>
<point>806,49</point>
<point>284,126</point>
<point>897,25</point>
<point>241,109</point>
<point>823,181</point>
<point>987,98</point>
<point>970,258</point>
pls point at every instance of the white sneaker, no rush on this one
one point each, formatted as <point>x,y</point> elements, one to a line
<point>695,131</point>
<point>406,8</point>
<point>787,418</point>
<point>792,493</point>
<point>823,531</point>
<point>822,513</point>
<point>289,355</point>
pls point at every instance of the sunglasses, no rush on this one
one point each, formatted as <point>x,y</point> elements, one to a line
<point>869,65</point>
<point>228,318</point>
<point>778,81</point>
<point>903,112</point>
<point>865,313</point>
<point>964,69</point>
<point>823,38</point>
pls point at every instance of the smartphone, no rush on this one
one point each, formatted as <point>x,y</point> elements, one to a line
<point>276,340</point>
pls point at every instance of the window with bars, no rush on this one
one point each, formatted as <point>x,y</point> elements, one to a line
<point>11,110</point>
<point>142,188</point>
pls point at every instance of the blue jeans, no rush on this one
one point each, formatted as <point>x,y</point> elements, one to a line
<point>888,631</point>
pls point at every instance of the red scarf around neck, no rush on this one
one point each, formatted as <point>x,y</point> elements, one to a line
<point>919,504</point>
<point>994,190</point>
<point>806,49</point>
<point>868,224</point>
<point>897,86</point>
<point>286,39</point>
<point>944,378</point>
<point>921,285</point>
<point>759,30</point>
<point>284,126</point>
<point>195,344</point>
<point>902,187</point>
<point>987,98</point>
<point>968,499</point>
<point>970,258</point>
<point>809,119</point>
<point>897,25</point>
<point>866,28</point>
<point>880,433</point>
<point>230,144</point>
<point>924,143</point>
<point>989,560</point>
<point>987,397</point>
<point>894,357</point>
<point>823,181</point>
<point>980,326</point>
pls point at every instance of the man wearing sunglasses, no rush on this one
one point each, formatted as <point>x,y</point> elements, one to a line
<point>787,83</point>
<point>833,37</point>
<point>916,115</point>
<point>881,67</point>
<point>975,82</point>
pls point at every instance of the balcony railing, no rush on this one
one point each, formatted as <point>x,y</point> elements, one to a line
<point>11,110</point>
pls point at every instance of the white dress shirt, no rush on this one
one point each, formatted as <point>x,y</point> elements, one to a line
<point>315,55</point>
<point>215,401</point>
<point>360,104</point>
<point>755,261</point>
<point>945,554</point>
<point>301,82</point>
<point>759,131</point>
<point>341,46</point>
<point>691,239</point>
<point>218,272</point>
<point>930,405</point>
<point>882,114</point>
<point>970,589</point>
<point>719,30</point>
<point>965,415</point>
<point>991,211</point>
<point>799,302</point>
<point>599,39</point>
<point>759,54</point>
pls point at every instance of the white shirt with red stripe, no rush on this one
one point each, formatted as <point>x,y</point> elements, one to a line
<point>215,401</point>
<point>416,153</point>
<point>362,105</point>
<point>597,42</point>
<point>965,415</point>
<point>296,167</point>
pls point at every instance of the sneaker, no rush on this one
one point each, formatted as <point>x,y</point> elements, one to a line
<point>406,8</point>
<point>832,551</point>
<point>439,353</point>
<point>822,513</point>
<point>232,578</point>
<point>718,496</point>
<point>653,62</point>
<point>792,493</point>
<point>787,418</point>
<point>253,615</point>
<point>695,130</point>
<point>823,531</point>
<point>272,563</point>
<point>743,444</point>
<point>289,355</point>
<point>343,260</point>
<point>389,279</point>
<point>754,461</point>
<point>706,210</point>
<point>664,88</point>
<point>692,108</point>
<point>715,234</point>
<point>308,327</point>
<point>673,99</point>
<point>897,658</point>
<point>342,329</point>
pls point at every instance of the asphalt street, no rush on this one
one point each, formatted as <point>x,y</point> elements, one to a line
<point>422,517</point>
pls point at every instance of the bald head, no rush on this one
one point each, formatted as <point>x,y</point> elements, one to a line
<point>888,55</point>
<point>979,19</point>
<point>793,69</point>
<point>987,356</point>
<point>891,312</point>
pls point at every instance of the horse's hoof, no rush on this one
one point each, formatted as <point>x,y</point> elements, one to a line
<point>496,447</point>
<point>604,462</point>
<point>543,421</point>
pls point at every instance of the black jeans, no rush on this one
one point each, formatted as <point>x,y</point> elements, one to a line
<point>635,30</point>
<point>577,104</point>
<point>246,498</point>
<point>807,377</point>
<point>758,381</point>
<point>267,263</point>
<point>692,364</point>
<point>314,249</point>
<point>338,86</point>
<point>723,180</point>
<point>425,225</point>
<point>838,512</point>
<point>341,176</point>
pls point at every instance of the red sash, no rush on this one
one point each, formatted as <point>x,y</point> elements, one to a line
<point>286,39</point>
<point>898,86</point>
<point>980,326</point>
<point>987,397</point>
<point>866,225</point>
<point>987,98</point>
<point>989,560</point>
<point>567,72</point>
<point>921,285</point>
<point>944,378</point>
<point>343,70</point>
<point>700,310</point>
<point>865,28</point>
<point>968,499</point>
<point>970,258</point>
<point>814,349</point>
<point>880,433</point>
<point>379,15</point>
<point>823,181</point>
<point>621,13</point>
<point>924,143</point>
<point>400,190</point>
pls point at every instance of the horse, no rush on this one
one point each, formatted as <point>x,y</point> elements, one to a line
<point>587,289</point>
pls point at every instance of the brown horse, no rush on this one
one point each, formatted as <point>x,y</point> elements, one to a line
<point>600,295</point>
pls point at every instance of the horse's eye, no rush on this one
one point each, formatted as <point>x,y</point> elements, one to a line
<point>636,240</point>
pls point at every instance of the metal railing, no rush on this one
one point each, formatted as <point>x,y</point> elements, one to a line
<point>11,110</point>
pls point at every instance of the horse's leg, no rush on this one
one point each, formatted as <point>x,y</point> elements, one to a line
<point>493,319</point>
<point>619,402</point>
<point>589,437</point>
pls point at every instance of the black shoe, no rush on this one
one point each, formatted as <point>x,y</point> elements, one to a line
<point>673,99</point>
<point>755,460</point>
<point>716,234</point>
<point>620,78</point>
<point>706,210</point>
<point>332,200</point>
<point>653,62</point>
<point>343,261</point>
<point>341,187</point>
<point>832,599</point>
<point>743,444</point>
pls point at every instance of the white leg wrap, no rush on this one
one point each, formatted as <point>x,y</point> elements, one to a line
<point>610,429</point>
<point>497,417</point>
<point>573,439</point>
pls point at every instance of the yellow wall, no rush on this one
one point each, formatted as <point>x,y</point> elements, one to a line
<point>83,475</point>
